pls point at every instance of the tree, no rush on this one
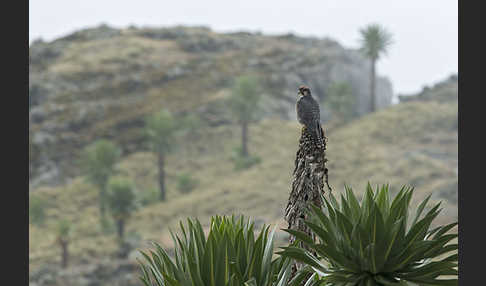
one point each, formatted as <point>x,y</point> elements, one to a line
<point>186,183</point>
<point>121,202</point>
<point>375,41</point>
<point>341,101</point>
<point>161,128</point>
<point>98,164</point>
<point>37,206</point>
<point>63,235</point>
<point>244,102</point>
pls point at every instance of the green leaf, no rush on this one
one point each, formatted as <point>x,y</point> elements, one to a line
<point>251,282</point>
<point>325,221</point>
<point>353,203</point>
<point>390,243</point>
<point>444,229</point>
<point>386,281</point>
<point>321,233</point>
<point>301,255</point>
<point>434,282</point>
<point>335,256</point>
<point>420,209</point>
<point>300,235</point>
<point>382,200</point>
<point>452,258</point>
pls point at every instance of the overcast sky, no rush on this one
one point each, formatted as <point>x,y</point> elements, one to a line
<point>425,32</point>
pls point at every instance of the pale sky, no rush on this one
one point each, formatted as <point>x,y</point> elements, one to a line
<point>425,32</point>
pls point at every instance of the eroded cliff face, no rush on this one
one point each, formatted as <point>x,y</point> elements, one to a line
<point>102,82</point>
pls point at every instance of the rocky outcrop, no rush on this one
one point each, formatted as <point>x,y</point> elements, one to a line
<point>102,82</point>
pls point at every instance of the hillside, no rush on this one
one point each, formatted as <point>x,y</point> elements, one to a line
<point>102,82</point>
<point>410,143</point>
<point>446,90</point>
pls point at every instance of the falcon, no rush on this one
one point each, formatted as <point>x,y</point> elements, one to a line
<point>308,114</point>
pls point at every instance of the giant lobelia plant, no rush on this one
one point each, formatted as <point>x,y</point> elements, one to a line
<point>230,255</point>
<point>375,243</point>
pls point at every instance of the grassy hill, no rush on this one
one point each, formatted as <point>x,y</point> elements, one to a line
<point>410,143</point>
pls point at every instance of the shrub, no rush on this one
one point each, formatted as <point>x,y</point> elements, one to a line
<point>64,229</point>
<point>149,196</point>
<point>191,125</point>
<point>37,210</point>
<point>161,129</point>
<point>229,256</point>
<point>244,103</point>
<point>121,201</point>
<point>107,225</point>
<point>375,244</point>
<point>242,162</point>
<point>341,101</point>
<point>185,183</point>
<point>98,164</point>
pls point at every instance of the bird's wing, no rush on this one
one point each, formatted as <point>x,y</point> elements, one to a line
<point>304,110</point>
<point>315,109</point>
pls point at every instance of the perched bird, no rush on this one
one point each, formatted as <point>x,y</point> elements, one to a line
<point>308,114</point>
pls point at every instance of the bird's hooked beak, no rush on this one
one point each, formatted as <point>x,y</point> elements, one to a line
<point>303,90</point>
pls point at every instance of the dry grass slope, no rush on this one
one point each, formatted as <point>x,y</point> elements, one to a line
<point>411,143</point>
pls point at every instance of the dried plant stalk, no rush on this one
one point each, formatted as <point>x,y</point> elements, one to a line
<point>309,176</point>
